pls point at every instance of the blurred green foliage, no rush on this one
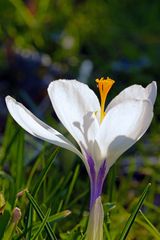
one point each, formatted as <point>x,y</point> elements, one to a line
<point>103,30</point>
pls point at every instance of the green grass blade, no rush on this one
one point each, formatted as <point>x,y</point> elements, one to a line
<point>134,214</point>
<point>35,190</point>
<point>152,228</point>
<point>106,232</point>
<point>8,139</point>
<point>42,225</point>
<point>44,173</point>
<point>111,183</point>
<point>41,215</point>
<point>28,228</point>
<point>34,168</point>
<point>23,11</point>
<point>19,160</point>
<point>75,176</point>
<point>55,217</point>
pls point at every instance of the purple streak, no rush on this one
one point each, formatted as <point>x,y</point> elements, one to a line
<point>101,177</point>
<point>96,182</point>
<point>92,176</point>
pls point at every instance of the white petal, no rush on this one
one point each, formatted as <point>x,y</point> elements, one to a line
<point>123,125</point>
<point>151,91</point>
<point>75,104</point>
<point>36,127</point>
<point>136,92</point>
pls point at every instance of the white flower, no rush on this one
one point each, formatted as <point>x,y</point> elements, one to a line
<point>102,135</point>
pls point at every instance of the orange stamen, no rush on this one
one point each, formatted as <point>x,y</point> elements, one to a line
<point>104,86</point>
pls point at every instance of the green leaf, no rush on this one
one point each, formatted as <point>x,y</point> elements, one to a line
<point>44,172</point>
<point>23,11</point>
<point>41,215</point>
<point>134,214</point>
<point>36,189</point>
<point>28,225</point>
<point>106,232</point>
<point>42,225</point>
<point>55,217</point>
<point>71,186</point>
<point>8,139</point>
<point>4,220</point>
<point>151,228</point>
<point>19,160</point>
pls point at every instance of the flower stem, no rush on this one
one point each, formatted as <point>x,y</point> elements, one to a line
<point>95,224</point>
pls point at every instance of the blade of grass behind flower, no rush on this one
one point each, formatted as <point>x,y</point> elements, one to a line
<point>106,232</point>
<point>42,225</point>
<point>44,173</point>
<point>59,209</point>
<point>134,214</point>
<point>56,188</point>
<point>41,215</point>
<point>34,167</point>
<point>36,188</point>
<point>4,221</point>
<point>19,160</point>
<point>8,139</point>
<point>111,183</point>
<point>71,186</point>
<point>56,217</point>
<point>152,228</point>
<point>111,189</point>
<point>23,11</point>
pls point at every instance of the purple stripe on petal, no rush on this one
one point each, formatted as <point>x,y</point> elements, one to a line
<point>96,180</point>
<point>91,167</point>
<point>100,178</point>
<point>92,176</point>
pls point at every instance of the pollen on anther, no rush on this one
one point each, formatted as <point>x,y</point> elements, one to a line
<point>104,85</point>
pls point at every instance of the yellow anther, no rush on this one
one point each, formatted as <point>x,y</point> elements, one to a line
<point>104,85</point>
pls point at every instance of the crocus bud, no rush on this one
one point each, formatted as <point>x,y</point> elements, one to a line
<point>21,193</point>
<point>16,215</point>
<point>95,224</point>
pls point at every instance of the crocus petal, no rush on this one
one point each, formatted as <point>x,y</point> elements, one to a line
<point>36,127</point>
<point>75,104</point>
<point>95,225</point>
<point>135,92</point>
<point>123,125</point>
<point>151,92</point>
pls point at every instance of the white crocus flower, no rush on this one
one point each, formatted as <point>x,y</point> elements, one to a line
<point>102,135</point>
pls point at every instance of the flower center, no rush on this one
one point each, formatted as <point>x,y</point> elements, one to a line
<point>104,85</point>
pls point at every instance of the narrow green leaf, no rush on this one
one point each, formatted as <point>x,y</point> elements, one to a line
<point>8,139</point>
<point>28,226</point>
<point>111,183</point>
<point>19,160</point>
<point>75,176</point>
<point>134,214</point>
<point>152,229</point>
<point>106,232</point>
<point>44,173</point>
<point>55,217</point>
<point>4,221</point>
<point>23,11</point>
<point>42,225</point>
<point>35,190</point>
<point>34,168</point>
<point>41,215</point>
